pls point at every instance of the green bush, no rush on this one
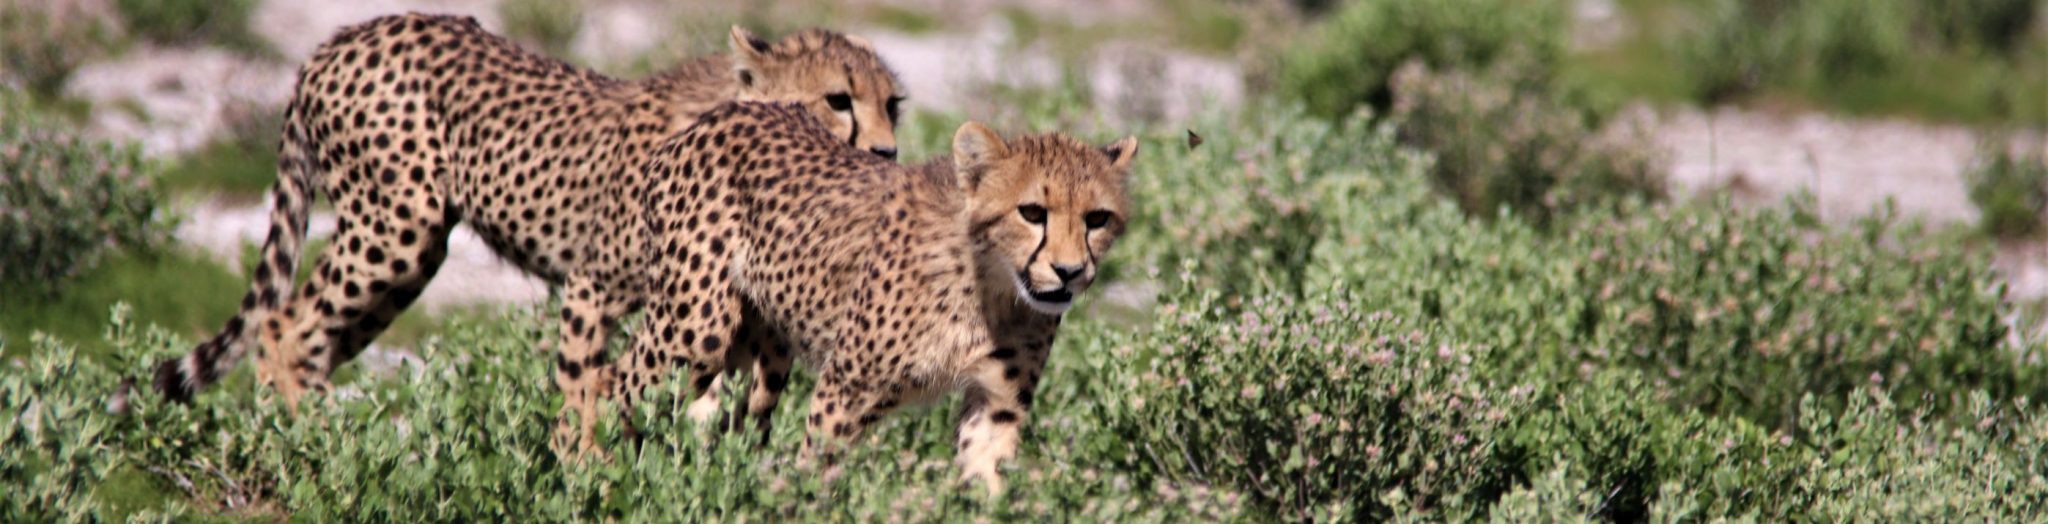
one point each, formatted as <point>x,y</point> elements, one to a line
<point>67,201</point>
<point>1843,38</point>
<point>1342,345</point>
<point>1736,312</point>
<point>1319,409</point>
<point>2010,191</point>
<point>465,438</point>
<point>1996,25</point>
<point>1661,354</point>
<point>1731,52</point>
<point>56,446</point>
<point>1348,59</point>
<point>1498,145</point>
<point>1615,434</point>
<point>188,22</point>
<point>40,45</point>
<point>1862,53</point>
<point>1876,461</point>
<point>1475,83</point>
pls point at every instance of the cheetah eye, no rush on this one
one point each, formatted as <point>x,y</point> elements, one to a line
<point>895,108</point>
<point>1096,219</point>
<point>839,101</point>
<point>1032,213</point>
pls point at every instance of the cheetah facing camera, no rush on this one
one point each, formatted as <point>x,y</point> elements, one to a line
<point>412,123</point>
<point>902,283</point>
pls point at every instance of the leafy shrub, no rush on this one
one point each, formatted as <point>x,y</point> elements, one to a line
<point>1349,59</point>
<point>1728,55</point>
<point>1318,410</point>
<point>1255,194</point>
<point>1557,496</point>
<point>465,437</point>
<point>55,445</point>
<point>2010,191</point>
<point>66,201</point>
<point>1504,131</point>
<point>1740,46</point>
<point>188,22</point>
<point>1735,312</point>
<point>1852,37</point>
<point>1614,434</point>
<point>42,43</point>
<point>549,24</point>
<point>1498,145</point>
<point>1877,462</point>
<point>1250,193</point>
<point>1315,408</point>
<point>1996,25</point>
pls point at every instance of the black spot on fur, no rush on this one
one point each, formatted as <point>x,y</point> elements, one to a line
<point>573,369</point>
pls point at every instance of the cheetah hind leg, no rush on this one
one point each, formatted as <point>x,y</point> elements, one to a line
<point>349,300</point>
<point>391,298</point>
<point>301,335</point>
<point>760,347</point>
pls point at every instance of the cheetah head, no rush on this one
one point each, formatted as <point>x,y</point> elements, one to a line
<point>839,77</point>
<point>1045,209</point>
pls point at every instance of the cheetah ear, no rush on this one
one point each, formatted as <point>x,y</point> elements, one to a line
<point>859,42</point>
<point>1122,152</point>
<point>974,148</point>
<point>748,53</point>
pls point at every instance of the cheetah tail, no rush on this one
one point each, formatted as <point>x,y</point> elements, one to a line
<point>291,200</point>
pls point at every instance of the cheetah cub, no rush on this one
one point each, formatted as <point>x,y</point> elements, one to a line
<point>411,124</point>
<point>901,283</point>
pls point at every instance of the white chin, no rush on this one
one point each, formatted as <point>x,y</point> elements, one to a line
<point>1049,308</point>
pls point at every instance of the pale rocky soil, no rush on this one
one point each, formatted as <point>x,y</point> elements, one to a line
<point>176,100</point>
<point>1851,165</point>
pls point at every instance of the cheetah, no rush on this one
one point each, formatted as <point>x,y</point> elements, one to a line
<point>900,283</point>
<point>412,123</point>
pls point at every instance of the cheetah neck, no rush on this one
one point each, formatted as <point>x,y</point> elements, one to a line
<point>1008,318</point>
<point>693,87</point>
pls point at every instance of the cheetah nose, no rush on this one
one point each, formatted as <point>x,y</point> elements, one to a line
<point>1067,273</point>
<point>885,151</point>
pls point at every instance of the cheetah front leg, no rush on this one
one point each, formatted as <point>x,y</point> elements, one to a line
<point>849,397</point>
<point>997,404</point>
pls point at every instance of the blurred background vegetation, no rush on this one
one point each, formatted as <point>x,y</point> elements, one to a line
<point>1434,260</point>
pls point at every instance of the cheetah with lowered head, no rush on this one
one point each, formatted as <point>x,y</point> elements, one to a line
<point>901,283</point>
<point>412,123</point>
